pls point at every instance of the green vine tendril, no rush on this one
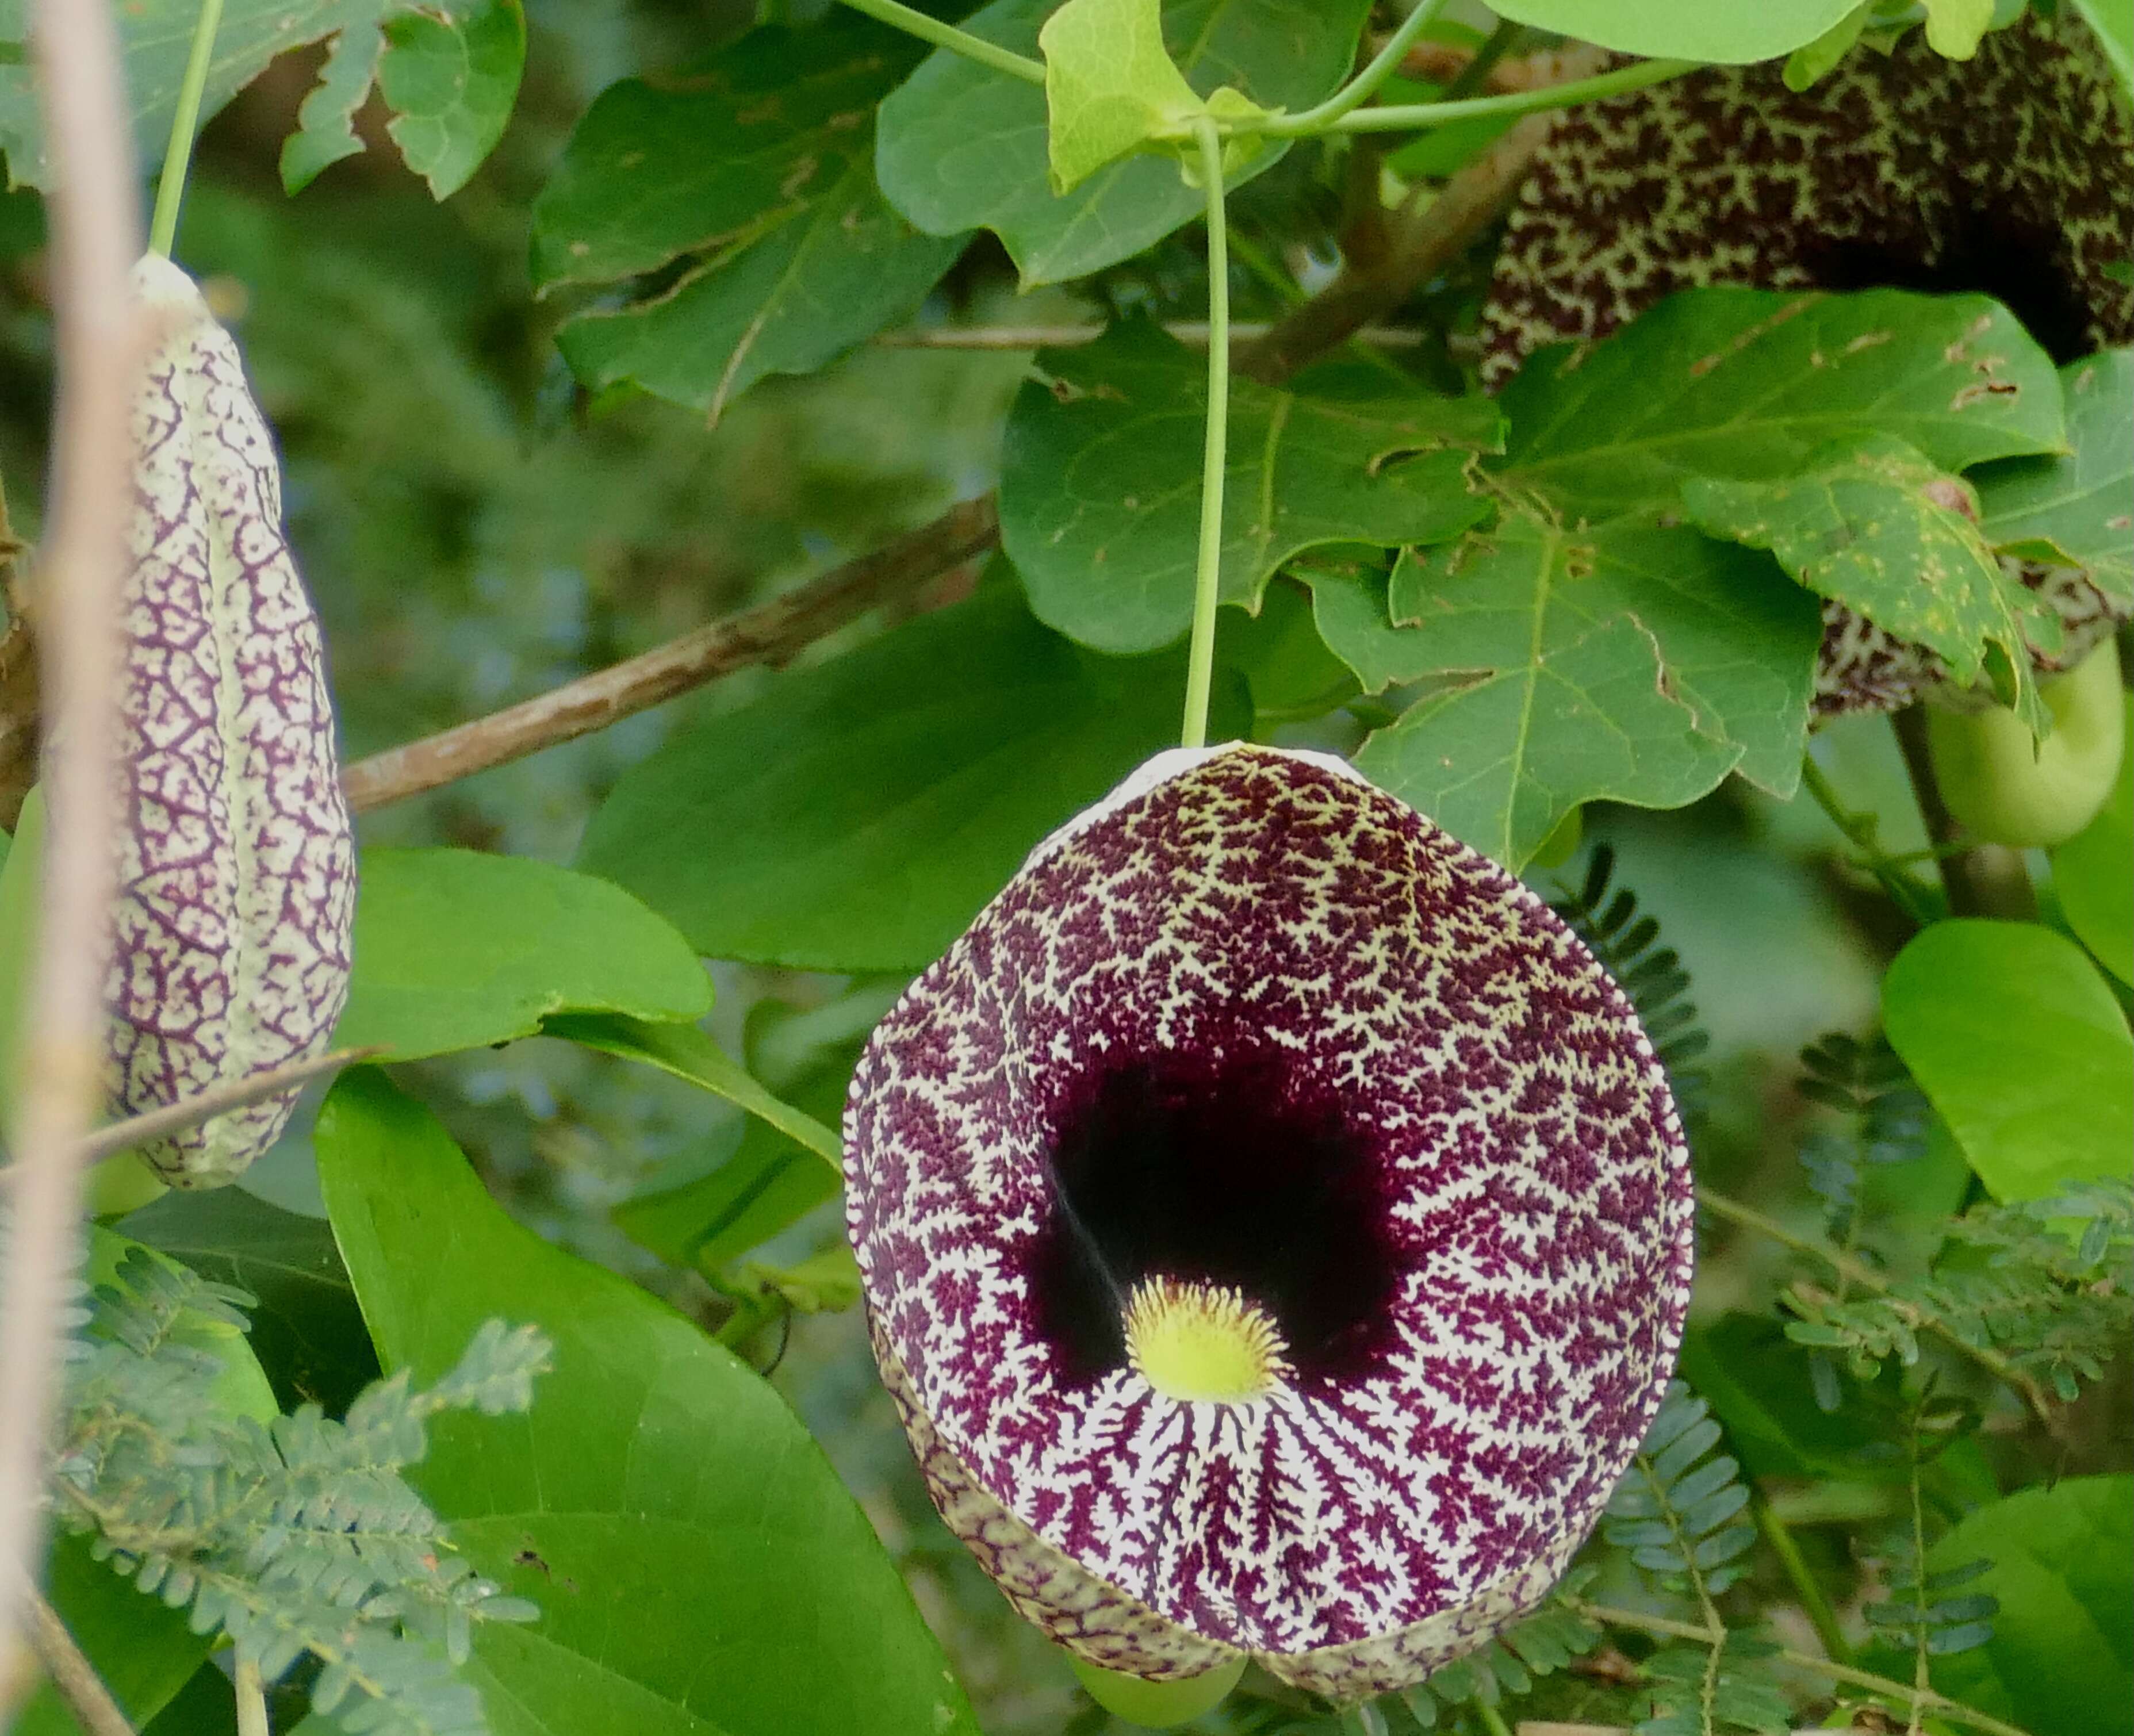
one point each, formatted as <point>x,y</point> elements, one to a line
<point>185,125</point>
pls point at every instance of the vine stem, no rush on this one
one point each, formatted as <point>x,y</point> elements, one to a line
<point>1411,117</point>
<point>185,127</point>
<point>957,41</point>
<point>1940,1705</point>
<point>1359,89</point>
<point>1208,570</point>
<point>1863,832</point>
<point>1814,1604</point>
<point>73,1676</point>
<point>1868,1278</point>
<point>251,1700</point>
<point>99,345</point>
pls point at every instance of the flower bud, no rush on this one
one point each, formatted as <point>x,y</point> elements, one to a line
<point>237,859</point>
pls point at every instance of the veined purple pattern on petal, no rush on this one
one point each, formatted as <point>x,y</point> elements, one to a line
<point>237,863</point>
<point>2011,173</point>
<point>1368,1045</point>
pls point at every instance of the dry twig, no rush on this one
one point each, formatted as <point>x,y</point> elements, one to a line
<point>1425,238</point>
<point>771,633</point>
<point>73,1676</point>
<point>95,235</point>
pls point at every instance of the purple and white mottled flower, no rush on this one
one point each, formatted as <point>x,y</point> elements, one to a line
<point>2011,174</point>
<point>238,855</point>
<point>1275,1230</point>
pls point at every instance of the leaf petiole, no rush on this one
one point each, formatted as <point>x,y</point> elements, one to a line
<point>185,125</point>
<point>1208,569</point>
<point>1359,89</point>
<point>1414,117</point>
<point>917,24</point>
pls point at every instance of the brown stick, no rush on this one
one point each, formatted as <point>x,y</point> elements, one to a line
<point>1440,63</point>
<point>73,1676</point>
<point>95,234</point>
<point>1426,238</point>
<point>770,632</point>
<point>18,685</point>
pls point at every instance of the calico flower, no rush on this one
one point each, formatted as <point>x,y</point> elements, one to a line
<point>1275,1230</point>
<point>238,859</point>
<point>2009,174</point>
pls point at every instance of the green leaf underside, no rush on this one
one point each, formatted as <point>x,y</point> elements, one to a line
<point>457,950</point>
<point>820,280</point>
<point>2021,1046</point>
<point>2090,872</point>
<point>307,1329</point>
<point>157,37</point>
<point>2075,510</point>
<point>2113,21</point>
<point>690,1053</point>
<point>965,147</point>
<point>1110,85</point>
<point>860,814</point>
<point>1100,482</point>
<point>2060,1661</point>
<point>1746,383</point>
<point>699,1568</point>
<point>1872,524</point>
<point>661,168</point>
<point>1686,30</point>
<point>450,82</point>
<point>760,163</point>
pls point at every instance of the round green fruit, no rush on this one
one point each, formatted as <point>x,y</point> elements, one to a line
<point>2005,788</point>
<point>1157,1705</point>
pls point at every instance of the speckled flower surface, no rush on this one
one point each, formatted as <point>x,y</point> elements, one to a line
<point>1251,1022</point>
<point>2011,173</point>
<point>237,865</point>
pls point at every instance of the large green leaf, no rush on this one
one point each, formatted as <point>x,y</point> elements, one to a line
<point>1746,383</point>
<point>2090,872</point>
<point>1870,522</point>
<point>1110,85</point>
<point>1100,482</point>
<point>2077,508</point>
<point>688,1053</point>
<point>307,1330</point>
<point>700,1570</point>
<point>1587,645</point>
<point>2022,1047</point>
<point>1687,30</point>
<point>450,72</point>
<point>760,164</point>
<point>456,950</point>
<point>963,146</point>
<point>2113,21</point>
<point>858,815</point>
<point>2061,1659</point>
<point>1636,662</point>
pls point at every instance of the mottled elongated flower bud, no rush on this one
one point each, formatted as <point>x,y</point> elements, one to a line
<point>238,859</point>
<point>1276,1230</point>
<point>2009,174</point>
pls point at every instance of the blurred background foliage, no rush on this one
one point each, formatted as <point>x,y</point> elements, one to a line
<point>476,530</point>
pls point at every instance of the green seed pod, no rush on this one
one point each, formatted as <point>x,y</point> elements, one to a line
<point>2007,789</point>
<point>237,866</point>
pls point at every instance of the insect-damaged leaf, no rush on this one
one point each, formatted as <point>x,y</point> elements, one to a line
<point>1100,482</point>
